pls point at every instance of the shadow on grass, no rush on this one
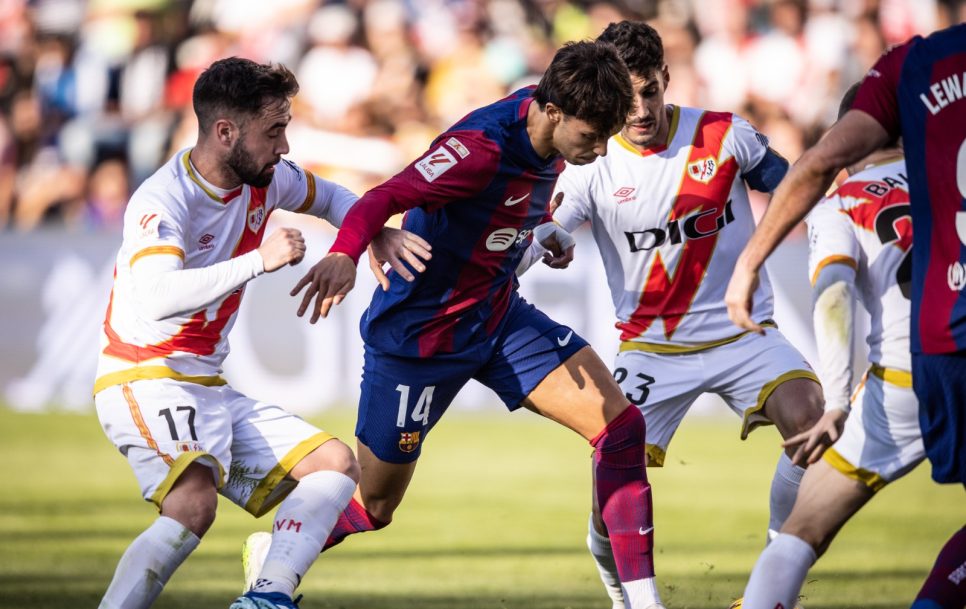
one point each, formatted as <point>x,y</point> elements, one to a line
<point>709,590</point>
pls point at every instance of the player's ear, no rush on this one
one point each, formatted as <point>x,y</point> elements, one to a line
<point>554,113</point>
<point>666,75</point>
<point>226,131</point>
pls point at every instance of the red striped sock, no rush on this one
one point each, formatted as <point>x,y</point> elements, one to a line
<point>945,587</point>
<point>624,494</point>
<point>353,519</point>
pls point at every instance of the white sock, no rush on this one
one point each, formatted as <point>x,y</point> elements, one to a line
<point>779,573</point>
<point>302,524</point>
<point>599,546</point>
<point>641,593</point>
<point>784,490</point>
<point>148,563</point>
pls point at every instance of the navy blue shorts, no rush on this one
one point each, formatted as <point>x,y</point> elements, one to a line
<point>403,397</point>
<point>940,384</point>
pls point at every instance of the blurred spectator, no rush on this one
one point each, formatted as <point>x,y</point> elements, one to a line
<point>95,94</point>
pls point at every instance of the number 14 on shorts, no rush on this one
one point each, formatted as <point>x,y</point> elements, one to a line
<point>420,410</point>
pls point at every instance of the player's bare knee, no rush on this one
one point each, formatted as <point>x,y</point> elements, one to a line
<point>333,456</point>
<point>795,406</point>
<point>193,499</point>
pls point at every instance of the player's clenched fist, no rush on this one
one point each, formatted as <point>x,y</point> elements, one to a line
<point>283,246</point>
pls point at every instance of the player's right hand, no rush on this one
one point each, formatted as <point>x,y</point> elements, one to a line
<point>738,297</point>
<point>328,282</point>
<point>283,246</point>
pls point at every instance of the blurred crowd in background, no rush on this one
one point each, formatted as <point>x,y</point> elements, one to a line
<point>96,94</point>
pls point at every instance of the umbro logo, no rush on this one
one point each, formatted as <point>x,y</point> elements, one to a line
<point>624,194</point>
<point>205,243</point>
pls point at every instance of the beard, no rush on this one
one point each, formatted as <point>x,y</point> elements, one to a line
<point>247,170</point>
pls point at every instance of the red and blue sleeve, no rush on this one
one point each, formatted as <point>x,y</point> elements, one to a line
<point>457,166</point>
<point>878,95</point>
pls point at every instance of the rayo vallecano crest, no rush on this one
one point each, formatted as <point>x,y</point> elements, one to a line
<point>703,170</point>
<point>255,218</point>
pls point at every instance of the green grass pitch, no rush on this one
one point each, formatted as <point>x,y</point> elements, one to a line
<point>495,519</point>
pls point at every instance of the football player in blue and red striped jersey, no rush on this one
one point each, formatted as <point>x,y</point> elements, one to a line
<point>916,90</point>
<point>479,196</point>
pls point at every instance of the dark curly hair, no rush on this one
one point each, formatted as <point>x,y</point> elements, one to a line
<point>638,44</point>
<point>240,87</point>
<point>587,80</point>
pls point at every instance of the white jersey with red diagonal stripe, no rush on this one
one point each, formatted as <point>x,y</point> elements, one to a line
<point>866,224</point>
<point>176,212</point>
<point>670,223</point>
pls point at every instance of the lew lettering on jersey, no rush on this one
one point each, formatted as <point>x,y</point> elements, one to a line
<point>943,93</point>
<point>435,164</point>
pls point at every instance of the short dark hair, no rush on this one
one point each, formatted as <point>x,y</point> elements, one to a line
<point>588,81</point>
<point>638,44</point>
<point>240,87</point>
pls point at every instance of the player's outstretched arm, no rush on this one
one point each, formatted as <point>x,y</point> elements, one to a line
<point>849,140</point>
<point>327,282</point>
<point>396,247</point>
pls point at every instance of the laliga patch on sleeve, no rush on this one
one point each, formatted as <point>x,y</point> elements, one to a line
<point>458,147</point>
<point>149,226</point>
<point>435,164</point>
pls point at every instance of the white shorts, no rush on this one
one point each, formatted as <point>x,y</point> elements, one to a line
<point>163,425</point>
<point>881,441</point>
<point>744,373</point>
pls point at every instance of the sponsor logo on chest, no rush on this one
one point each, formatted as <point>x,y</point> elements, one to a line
<point>503,239</point>
<point>696,226</point>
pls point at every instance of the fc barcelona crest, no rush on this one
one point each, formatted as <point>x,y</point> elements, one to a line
<point>703,170</point>
<point>408,441</point>
<point>255,218</point>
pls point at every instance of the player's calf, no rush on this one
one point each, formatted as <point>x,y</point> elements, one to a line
<point>624,497</point>
<point>306,517</point>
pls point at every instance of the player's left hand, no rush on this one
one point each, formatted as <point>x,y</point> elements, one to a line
<point>558,242</point>
<point>741,288</point>
<point>811,444</point>
<point>328,282</point>
<point>396,246</point>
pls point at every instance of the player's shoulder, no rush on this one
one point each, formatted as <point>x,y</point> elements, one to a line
<point>875,182</point>
<point>167,190</point>
<point>692,114</point>
<point>288,173</point>
<point>494,117</point>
